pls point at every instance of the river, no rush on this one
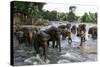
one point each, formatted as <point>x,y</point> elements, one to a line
<point>70,53</point>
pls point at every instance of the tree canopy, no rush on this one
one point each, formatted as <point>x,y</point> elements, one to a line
<point>35,10</point>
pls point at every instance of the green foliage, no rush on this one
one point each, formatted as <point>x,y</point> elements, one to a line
<point>91,17</point>
<point>28,8</point>
<point>71,17</point>
<point>52,15</point>
<point>62,16</point>
<point>30,12</point>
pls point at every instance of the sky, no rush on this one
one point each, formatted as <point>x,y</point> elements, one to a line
<point>80,10</point>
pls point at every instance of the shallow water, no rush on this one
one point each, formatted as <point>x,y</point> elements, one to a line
<point>70,53</point>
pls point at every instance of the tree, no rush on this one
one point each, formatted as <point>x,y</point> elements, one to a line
<point>28,10</point>
<point>96,17</point>
<point>85,18</point>
<point>62,16</point>
<point>91,17</point>
<point>53,15</point>
<point>71,17</point>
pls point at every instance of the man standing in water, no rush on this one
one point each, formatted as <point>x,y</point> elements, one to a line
<point>82,35</point>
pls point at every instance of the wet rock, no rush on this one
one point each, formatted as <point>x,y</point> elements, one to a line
<point>91,57</point>
<point>19,59</point>
<point>63,61</point>
<point>20,51</point>
<point>73,57</point>
<point>36,60</point>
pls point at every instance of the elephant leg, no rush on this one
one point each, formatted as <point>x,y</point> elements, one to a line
<point>56,44</point>
<point>44,54</point>
<point>63,37</point>
<point>59,45</point>
<point>19,40</point>
<point>37,51</point>
<point>26,42</point>
<point>48,43</point>
<point>36,47</point>
<point>84,39</point>
<point>45,51</point>
<point>81,43</point>
<point>53,44</point>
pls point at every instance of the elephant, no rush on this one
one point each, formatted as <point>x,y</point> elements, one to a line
<point>41,41</point>
<point>93,32</point>
<point>68,26</point>
<point>29,34</point>
<point>19,34</point>
<point>54,35</point>
<point>73,29</point>
<point>62,26</point>
<point>65,33</point>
